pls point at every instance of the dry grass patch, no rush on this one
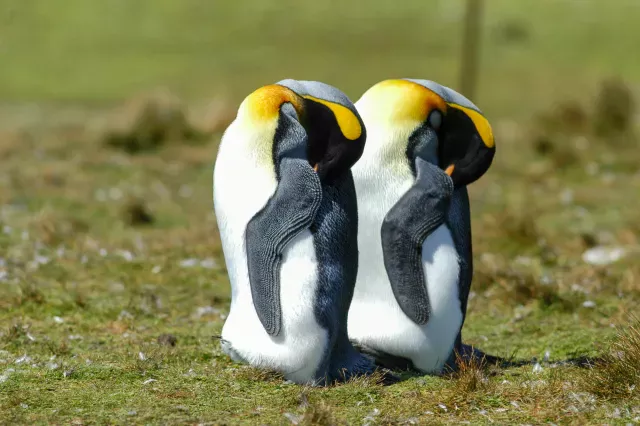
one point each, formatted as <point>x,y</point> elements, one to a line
<point>150,121</point>
<point>617,375</point>
<point>614,108</point>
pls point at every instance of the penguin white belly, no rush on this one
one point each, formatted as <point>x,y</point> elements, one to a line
<point>375,318</point>
<point>242,187</point>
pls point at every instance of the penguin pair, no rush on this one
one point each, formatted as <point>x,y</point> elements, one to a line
<point>292,215</point>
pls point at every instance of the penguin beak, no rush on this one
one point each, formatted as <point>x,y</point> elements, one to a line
<point>467,146</point>
<point>336,137</point>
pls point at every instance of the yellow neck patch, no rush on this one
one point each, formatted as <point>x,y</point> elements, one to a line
<point>347,120</point>
<point>482,125</point>
<point>265,103</point>
<point>403,100</point>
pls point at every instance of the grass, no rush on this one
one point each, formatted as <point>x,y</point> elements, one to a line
<point>201,50</point>
<point>112,281</point>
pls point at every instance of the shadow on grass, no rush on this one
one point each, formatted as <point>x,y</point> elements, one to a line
<point>470,360</point>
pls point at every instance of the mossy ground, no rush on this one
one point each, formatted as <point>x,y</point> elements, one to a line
<point>103,252</point>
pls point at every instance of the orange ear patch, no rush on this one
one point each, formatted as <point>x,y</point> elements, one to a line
<point>403,100</point>
<point>265,103</point>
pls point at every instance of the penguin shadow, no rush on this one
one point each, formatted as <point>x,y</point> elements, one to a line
<point>390,370</point>
<point>470,361</point>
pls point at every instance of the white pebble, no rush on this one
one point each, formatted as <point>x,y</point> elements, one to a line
<point>115,193</point>
<point>5,376</point>
<point>603,255</point>
<point>188,263</point>
<point>23,359</point>
<point>42,260</point>
<point>208,263</point>
<point>124,314</point>
<point>126,255</point>
<point>294,419</point>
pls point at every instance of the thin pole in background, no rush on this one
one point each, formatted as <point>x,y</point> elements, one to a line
<point>470,49</point>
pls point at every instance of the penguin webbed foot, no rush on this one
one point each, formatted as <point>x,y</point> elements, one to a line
<point>381,376</point>
<point>384,360</point>
<point>470,356</point>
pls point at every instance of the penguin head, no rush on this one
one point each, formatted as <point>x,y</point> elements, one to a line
<point>310,119</point>
<point>431,121</point>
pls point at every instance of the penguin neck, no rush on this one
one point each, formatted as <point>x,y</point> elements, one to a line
<point>386,147</point>
<point>253,140</point>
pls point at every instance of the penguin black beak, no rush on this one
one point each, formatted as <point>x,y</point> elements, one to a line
<point>467,147</point>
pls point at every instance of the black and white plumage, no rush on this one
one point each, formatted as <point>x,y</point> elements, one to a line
<point>425,144</point>
<point>286,208</point>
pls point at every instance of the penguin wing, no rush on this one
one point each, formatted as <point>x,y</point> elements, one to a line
<point>459,222</point>
<point>291,209</point>
<point>421,210</point>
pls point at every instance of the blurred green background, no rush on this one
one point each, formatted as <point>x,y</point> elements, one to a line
<point>112,279</point>
<point>532,51</point>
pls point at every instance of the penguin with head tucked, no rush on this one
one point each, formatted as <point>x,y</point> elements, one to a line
<point>425,144</point>
<point>285,205</point>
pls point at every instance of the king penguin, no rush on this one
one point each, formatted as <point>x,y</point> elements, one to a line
<point>285,204</point>
<point>425,144</point>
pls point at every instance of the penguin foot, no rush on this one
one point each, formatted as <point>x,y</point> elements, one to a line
<point>385,360</point>
<point>467,355</point>
<point>388,377</point>
<point>380,376</point>
<point>352,366</point>
<point>470,353</point>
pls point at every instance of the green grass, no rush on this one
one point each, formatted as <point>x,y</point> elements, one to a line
<point>84,290</point>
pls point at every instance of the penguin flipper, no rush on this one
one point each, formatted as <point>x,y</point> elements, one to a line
<point>290,210</point>
<point>421,210</point>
